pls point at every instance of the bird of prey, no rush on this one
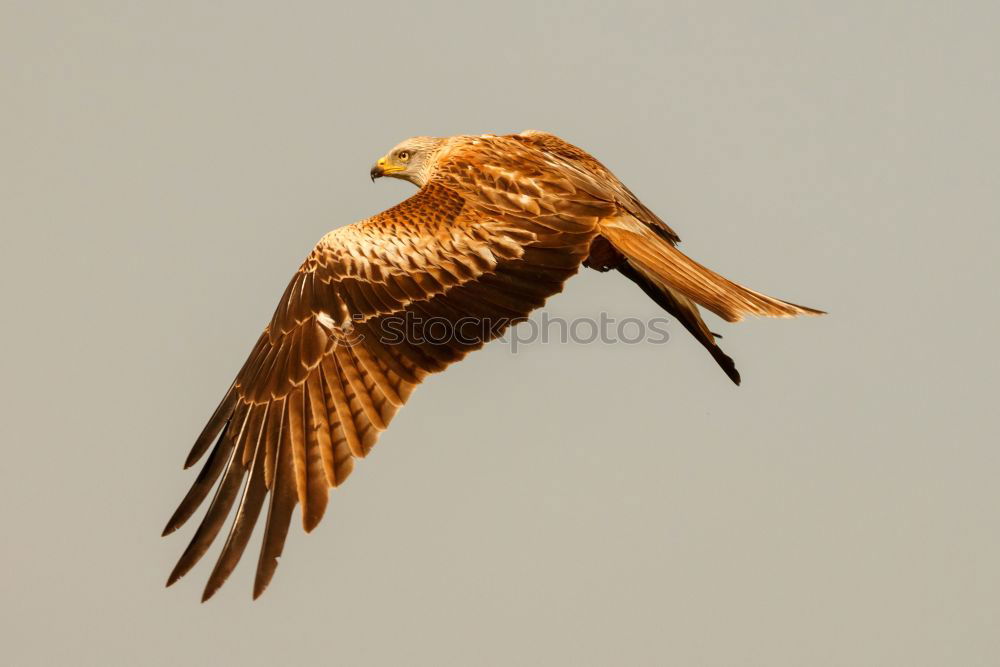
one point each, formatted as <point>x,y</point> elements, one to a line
<point>497,226</point>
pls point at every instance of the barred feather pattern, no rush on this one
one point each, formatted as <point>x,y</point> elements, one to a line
<point>491,243</point>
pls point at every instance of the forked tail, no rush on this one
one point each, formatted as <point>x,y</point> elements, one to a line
<point>667,267</point>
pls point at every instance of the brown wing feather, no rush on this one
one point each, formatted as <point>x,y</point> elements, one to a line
<point>489,243</point>
<point>598,179</point>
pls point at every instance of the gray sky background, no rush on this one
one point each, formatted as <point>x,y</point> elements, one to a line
<point>165,166</point>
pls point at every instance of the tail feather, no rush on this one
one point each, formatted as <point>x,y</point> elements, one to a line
<point>661,261</point>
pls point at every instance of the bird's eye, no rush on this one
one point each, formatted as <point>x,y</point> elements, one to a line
<point>404,155</point>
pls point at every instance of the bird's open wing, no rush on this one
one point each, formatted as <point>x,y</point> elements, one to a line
<point>350,340</point>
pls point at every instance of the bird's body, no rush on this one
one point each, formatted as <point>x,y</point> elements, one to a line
<point>497,226</point>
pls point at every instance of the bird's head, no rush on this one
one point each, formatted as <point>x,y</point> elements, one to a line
<point>410,160</point>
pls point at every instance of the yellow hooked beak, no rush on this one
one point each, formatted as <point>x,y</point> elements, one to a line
<point>382,167</point>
